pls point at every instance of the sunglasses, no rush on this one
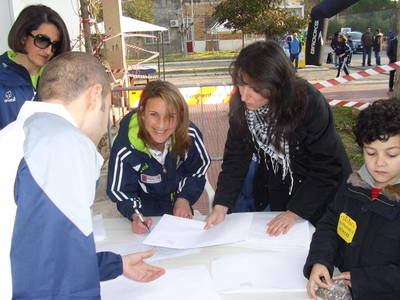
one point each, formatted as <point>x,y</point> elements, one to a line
<point>42,41</point>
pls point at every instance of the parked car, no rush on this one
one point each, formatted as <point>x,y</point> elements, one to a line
<point>356,35</point>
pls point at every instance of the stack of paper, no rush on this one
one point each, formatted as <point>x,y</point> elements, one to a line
<point>181,233</point>
<point>297,238</point>
<point>162,252</point>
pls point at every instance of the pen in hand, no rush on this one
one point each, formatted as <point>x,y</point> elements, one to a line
<point>141,218</point>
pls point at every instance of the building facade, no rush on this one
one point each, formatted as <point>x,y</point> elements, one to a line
<point>203,33</point>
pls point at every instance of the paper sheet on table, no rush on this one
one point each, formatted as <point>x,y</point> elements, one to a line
<point>162,252</point>
<point>297,238</point>
<point>192,283</point>
<point>181,233</point>
<point>137,246</point>
<point>99,232</point>
<point>260,272</point>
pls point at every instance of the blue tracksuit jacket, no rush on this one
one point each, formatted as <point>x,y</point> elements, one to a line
<point>48,182</point>
<point>15,88</point>
<point>134,174</point>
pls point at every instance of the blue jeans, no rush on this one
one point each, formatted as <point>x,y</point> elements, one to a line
<point>245,201</point>
<point>367,51</point>
<point>295,57</point>
<point>378,57</point>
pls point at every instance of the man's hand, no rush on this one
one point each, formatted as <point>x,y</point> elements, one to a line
<point>138,227</point>
<point>282,223</point>
<point>318,271</point>
<point>216,216</point>
<point>182,208</point>
<point>135,268</point>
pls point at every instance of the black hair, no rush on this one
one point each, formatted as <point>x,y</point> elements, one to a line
<point>265,67</point>
<point>379,121</point>
<point>29,19</point>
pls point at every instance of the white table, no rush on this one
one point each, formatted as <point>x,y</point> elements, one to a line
<point>118,231</point>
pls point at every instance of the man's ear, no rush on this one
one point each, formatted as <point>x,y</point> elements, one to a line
<point>95,97</point>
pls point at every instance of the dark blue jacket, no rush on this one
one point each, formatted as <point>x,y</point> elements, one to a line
<point>134,174</point>
<point>15,88</point>
<point>342,48</point>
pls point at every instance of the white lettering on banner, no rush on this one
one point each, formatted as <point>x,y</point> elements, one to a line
<point>314,37</point>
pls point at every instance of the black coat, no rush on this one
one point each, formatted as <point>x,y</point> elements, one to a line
<point>317,159</point>
<point>373,256</point>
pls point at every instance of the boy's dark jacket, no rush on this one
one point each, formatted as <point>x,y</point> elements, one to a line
<point>373,257</point>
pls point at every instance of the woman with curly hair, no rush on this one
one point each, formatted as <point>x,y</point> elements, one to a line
<point>286,125</point>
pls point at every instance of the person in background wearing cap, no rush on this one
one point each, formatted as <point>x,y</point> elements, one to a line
<point>352,49</point>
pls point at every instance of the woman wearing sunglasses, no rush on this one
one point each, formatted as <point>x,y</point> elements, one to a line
<point>38,35</point>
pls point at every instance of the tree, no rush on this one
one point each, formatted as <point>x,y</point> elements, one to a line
<point>259,16</point>
<point>185,13</point>
<point>85,16</point>
<point>139,9</point>
<point>278,21</point>
<point>364,6</point>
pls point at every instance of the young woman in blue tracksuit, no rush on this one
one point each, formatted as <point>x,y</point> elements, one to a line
<point>38,35</point>
<point>158,160</point>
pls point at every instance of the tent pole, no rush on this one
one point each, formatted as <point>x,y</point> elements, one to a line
<point>158,57</point>
<point>163,60</point>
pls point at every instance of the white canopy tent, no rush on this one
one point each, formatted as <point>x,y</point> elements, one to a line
<point>132,25</point>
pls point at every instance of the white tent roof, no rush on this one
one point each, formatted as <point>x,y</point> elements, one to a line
<point>133,25</point>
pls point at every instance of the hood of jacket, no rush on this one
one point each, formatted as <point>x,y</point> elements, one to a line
<point>392,192</point>
<point>128,131</point>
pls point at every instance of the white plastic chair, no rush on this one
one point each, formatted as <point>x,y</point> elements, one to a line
<point>210,194</point>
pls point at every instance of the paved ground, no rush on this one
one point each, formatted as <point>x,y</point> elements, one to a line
<point>212,119</point>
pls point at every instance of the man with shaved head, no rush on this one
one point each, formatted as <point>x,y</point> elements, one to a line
<point>49,169</point>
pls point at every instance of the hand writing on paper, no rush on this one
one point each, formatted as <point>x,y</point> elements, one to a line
<point>346,276</point>
<point>135,268</point>
<point>282,223</point>
<point>216,216</point>
<point>318,271</point>
<point>182,208</point>
<point>138,227</point>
